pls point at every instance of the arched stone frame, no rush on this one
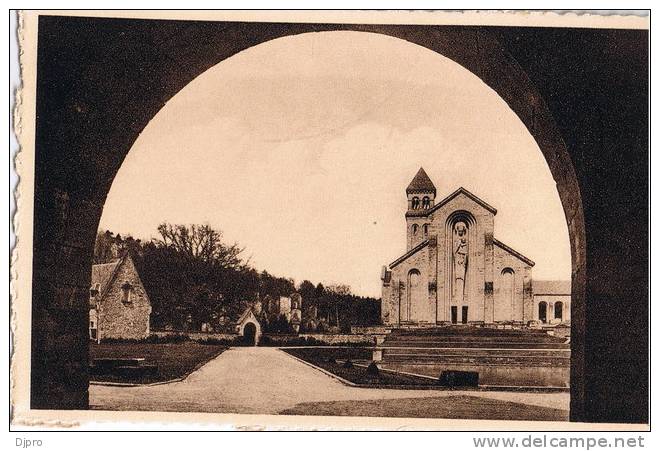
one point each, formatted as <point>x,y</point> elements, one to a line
<point>542,312</point>
<point>79,189</point>
<point>559,306</point>
<point>426,202</point>
<point>470,275</point>
<point>257,333</point>
<point>413,283</point>
<point>508,293</point>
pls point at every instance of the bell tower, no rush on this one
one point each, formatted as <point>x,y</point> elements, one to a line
<point>421,197</point>
<point>420,192</point>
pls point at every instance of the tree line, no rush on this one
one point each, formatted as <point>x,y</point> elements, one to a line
<point>193,277</point>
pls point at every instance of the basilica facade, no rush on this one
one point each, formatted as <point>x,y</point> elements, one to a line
<point>454,270</point>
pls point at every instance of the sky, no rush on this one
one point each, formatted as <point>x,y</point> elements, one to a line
<point>300,150</point>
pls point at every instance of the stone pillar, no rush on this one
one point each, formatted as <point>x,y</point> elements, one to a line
<point>527,303</point>
<point>433,277</point>
<point>551,312</point>
<point>60,301</point>
<point>442,303</point>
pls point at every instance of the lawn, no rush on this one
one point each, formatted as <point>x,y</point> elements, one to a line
<point>456,407</point>
<point>173,360</point>
<point>333,359</point>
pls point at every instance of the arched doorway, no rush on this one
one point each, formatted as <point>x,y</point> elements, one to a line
<point>559,311</point>
<point>543,312</point>
<point>250,334</point>
<point>78,188</point>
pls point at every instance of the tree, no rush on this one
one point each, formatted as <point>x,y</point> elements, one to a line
<point>336,296</point>
<point>193,277</point>
<point>339,290</point>
<point>200,242</point>
<point>103,247</point>
<point>307,290</point>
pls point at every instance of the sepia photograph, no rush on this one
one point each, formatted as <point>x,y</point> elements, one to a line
<point>333,219</point>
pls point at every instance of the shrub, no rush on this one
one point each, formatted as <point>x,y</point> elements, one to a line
<point>217,341</point>
<point>266,341</point>
<point>372,370</point>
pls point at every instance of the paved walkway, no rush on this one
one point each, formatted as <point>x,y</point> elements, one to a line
<point>268,381</point>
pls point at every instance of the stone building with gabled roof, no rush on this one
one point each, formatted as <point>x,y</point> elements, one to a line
<point>119,307</point>
<point>454,270</point>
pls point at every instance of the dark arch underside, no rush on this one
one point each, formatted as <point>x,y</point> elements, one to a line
<point>100,81</point>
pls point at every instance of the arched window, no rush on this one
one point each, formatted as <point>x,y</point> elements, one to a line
<point>543,311</point>
<point>415,227</point>
<point>415,203</point>
<point>413,292</point>
<point>126,290</point>
<point>559,310</point>
<point>413,278</point>
<point>426,230</point>
<point>426,202</point>
<point>506,310</point>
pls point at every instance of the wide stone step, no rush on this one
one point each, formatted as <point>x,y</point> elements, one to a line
<point>476,352</point>
<point>512,338</point>
<point>479,360</point>
<point>467,330</point>
<point>464,344</point>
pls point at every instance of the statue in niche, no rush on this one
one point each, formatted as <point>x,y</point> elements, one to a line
<point>460,256</point>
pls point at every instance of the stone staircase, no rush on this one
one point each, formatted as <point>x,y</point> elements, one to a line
<point>470,345</point>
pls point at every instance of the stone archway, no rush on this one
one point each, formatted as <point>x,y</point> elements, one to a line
<point>250,334</point>
<point>110,90</point>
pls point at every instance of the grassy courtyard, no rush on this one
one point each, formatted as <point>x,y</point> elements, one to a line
<point>172,360</point>
<point>456,407</point>
<point>333,360</point>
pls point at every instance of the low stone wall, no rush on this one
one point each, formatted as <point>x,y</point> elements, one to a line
<point>370,330</point>
<point>276,339</point>
<point>194,335</point>
<point>340,338</point>
<point>559,331</point>
<point>495,375</point>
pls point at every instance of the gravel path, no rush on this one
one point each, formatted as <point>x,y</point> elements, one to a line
<point>268,381</point>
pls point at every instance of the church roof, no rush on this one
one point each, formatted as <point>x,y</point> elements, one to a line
<point>447,199</point>
<point>552,287</point>
<point>513,252</point>
<point>412,251</point>
<point>421,183</point>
